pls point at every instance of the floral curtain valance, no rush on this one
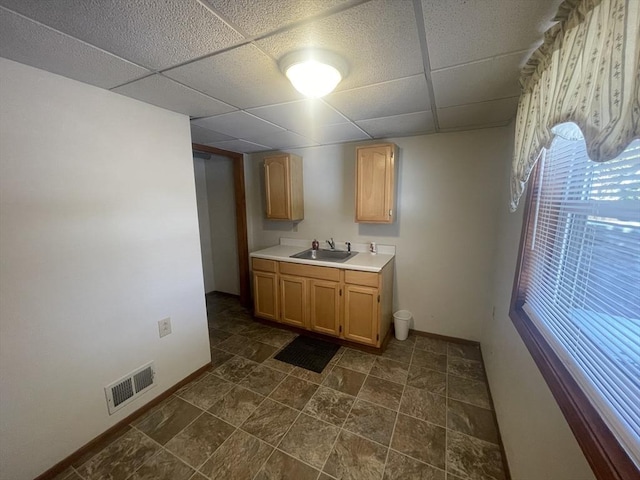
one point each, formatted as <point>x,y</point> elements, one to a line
<point>588,72</point>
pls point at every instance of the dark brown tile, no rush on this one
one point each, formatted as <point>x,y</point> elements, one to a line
<point>277,338</point>
<point>278,365</point>
<point>121,458</point>
<point>218,357</point>
<point>462,350</point>
<point>421,440</point>
<point>468,391</point>
<point>424,405</point>
<point>371,421</point>
<point>432,345</point>
<point>402,467</point>
<point>207,391</point>
<point>200,439</point>
<point>310,440</point>
<point>294,392</point>
<point>163,466</point>
<point>472,458</point>
<point>356,458</point>
<point>229,323</point>
<point>310,376</point>
<point>281,466</point>
<point>475,421</point>
<point>235,369</point>
<point>236,406</point>
<point>463,367</point>
<point>390,370</point>
<point>329,405</point>
<point>67,474</point>
<point>262,380</point>
<point>239,458</point>
<point>344,380</point>
<point>104,443</point>
<point>198,476</point>
<point>259,351</point>
<point>256,330</point>
<point>270,421</point>
<point>218,336</point>
<point>398,353</point>
<point>356,360</point>
<point>408,342</point>
<point>426,379</point>
<point>431,360</point>
<point>381,392</point>
<point>167,418</point>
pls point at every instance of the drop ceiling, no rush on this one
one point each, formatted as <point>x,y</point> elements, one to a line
<point>415,66</point>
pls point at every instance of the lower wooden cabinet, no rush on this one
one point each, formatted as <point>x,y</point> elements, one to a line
<point>348,304</point>
<point>324,302</point>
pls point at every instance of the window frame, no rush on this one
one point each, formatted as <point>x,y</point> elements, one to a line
<point>604,453</point>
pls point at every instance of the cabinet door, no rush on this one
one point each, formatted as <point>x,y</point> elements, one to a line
<point>265,295</point>
<point>293,301</point>
<point>325,307</point>
<point>361,314</point>
<point>375,184</point>
<point>277,181</point>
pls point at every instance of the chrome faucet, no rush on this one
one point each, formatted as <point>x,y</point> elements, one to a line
<point>331,243</point>
<point>348,244</point>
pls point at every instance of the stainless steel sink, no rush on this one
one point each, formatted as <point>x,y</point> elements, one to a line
<point>337,256</point>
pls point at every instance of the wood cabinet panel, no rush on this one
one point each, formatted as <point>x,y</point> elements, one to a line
<point>325,307</point>
<point>356,277</point>
<point>375,183</point>
<point>283,187</point>
<point>312,271</point>
<point>361,314</point>
<point>293,301</point>
<point>263,265</point>
<point>265,295</point>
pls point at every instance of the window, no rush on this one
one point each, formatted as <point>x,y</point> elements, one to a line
<point>577,296</point>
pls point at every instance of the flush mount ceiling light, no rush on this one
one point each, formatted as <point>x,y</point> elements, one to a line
<point>314,73</point>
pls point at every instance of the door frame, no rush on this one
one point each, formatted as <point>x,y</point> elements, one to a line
<point>241,215</point>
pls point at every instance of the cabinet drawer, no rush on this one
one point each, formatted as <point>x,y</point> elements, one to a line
<point>321,273</point>
<point>369,279</point>
<point>263,265</point>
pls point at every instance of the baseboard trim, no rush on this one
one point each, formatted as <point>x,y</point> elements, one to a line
<point>75,456</point>
<point>446,338</point>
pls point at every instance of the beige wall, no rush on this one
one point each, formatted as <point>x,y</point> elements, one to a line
<point>536,436</point>
<point>202,198</point>
<point>98,241</point>
<point>448,188</point>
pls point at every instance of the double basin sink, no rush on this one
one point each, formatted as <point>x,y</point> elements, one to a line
<point>336,256</point>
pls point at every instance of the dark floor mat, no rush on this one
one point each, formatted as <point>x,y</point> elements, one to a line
<point>309,353</point>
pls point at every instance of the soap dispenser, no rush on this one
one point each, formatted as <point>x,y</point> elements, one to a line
<point>314,248</point>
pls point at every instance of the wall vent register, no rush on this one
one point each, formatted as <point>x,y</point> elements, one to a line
<point>125,390</point>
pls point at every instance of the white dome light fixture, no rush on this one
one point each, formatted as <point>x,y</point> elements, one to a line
<point>314,72</point>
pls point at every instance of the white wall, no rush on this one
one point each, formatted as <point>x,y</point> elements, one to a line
<point>448,188</point>
<point>222,220</point>
<point>98,241</point>
<point>199,167</point>
<point>537,438</point>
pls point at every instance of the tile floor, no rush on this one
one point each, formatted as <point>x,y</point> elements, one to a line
<point>419,411</point>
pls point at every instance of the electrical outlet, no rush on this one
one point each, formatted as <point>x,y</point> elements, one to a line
<point>164,327</point>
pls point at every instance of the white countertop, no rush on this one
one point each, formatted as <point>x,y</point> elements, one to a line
<point>363,261</point>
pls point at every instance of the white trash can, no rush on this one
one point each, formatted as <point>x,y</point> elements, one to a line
<point>401,321</point>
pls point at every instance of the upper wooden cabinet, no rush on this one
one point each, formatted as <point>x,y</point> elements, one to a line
<point>283,187</point>
<point>375,183</point>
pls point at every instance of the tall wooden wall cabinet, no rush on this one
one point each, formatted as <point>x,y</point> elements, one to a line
<point>283,187</point>
<point>375,183</point>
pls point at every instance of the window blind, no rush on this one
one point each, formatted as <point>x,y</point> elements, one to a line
<point>582,276</point>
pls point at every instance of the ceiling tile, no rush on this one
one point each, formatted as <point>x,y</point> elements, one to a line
<point>478,114</point>
<point>303,116</point>
<point>460,31</point>
<point>378,40</point>
<point>204,136</point>
<point>153,34</point>
<point>258,17</point>
<point>283,140</point>
<point>342,132</point>
<point>238,125</point>
<point>159,90</point>
<point>477,82</point>
<point>405,95</point>
<point>244,77</point>
<point>240,146</point>
<point>399,125</point>
<point>33,44</point>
